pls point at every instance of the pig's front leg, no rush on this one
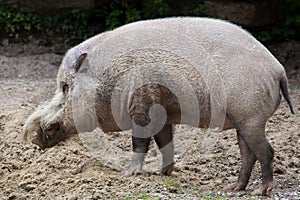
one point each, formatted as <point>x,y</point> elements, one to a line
<point>140,148</point>
<point>140,143</point>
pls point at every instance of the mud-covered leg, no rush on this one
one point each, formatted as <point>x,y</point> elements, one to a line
<point>140,148</point>
<point>266,172</point>
<point>248,161</point>
<point>141,138</point>
<point>254,136</point>
<point>164,141</point>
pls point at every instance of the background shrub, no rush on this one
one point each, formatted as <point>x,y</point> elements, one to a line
<point>76,25</point>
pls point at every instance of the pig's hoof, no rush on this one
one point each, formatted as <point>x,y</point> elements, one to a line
<point>234,187</point>
<point>264,190</point>
<point>167,170</point>
<point>134,170</point>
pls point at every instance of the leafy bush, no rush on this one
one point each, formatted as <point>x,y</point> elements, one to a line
<point>286,29</point>
<point>77,25</point>
<point>15,22</point>
<point>292,17</point>
<point>119,12</point>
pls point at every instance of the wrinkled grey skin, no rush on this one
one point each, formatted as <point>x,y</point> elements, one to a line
<point>229,72</point>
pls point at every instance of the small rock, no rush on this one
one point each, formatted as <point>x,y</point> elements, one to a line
<point>230,194</point>
<point>12,196</point>
<point>27,186</point>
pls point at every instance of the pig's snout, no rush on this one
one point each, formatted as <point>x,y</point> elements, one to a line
<point>49,136</point>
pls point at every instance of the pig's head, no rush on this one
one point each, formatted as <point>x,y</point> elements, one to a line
<point>53,121</point>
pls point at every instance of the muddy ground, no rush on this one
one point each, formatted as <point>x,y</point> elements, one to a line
<point>71,171</point>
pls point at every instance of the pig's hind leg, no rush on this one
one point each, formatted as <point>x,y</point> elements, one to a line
<point>252,140</point>
<point>248,161</point>
<point>164,141</point>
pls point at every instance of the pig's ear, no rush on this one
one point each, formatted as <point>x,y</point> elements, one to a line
<point>79,61</point>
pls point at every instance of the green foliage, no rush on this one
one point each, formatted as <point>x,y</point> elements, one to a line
<point>143,196</point>
<point>171,184</point>
<point>14,22</point>
<point>291,9</point>
<point>200,10</point>
<point>78,25</point>
<point>288,28</point>
<point>208,197</point>
<point>120,12</point>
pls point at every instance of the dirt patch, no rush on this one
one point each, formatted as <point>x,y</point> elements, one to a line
<point>71,171</point>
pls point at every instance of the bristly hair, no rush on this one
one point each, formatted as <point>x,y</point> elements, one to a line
<point>44,114</point>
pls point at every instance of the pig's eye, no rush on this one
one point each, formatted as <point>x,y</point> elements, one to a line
<point>65,87</point>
